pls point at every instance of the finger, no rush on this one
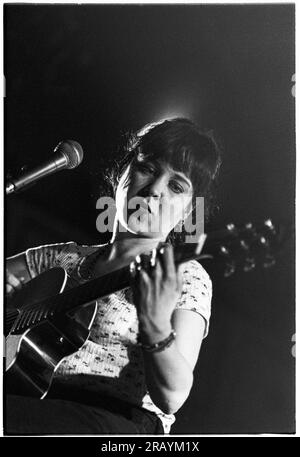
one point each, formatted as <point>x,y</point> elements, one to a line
<point>145,262</point>
<point>166,256</point>
<point>143,278</point>
<point>153,257</point>
<point>13,281</point>
<point>140,285</point>
<point>138,266</point>
<point>132,270</point>
<point>157,271</point>
<point>153,264</point>
<point>9,289</point>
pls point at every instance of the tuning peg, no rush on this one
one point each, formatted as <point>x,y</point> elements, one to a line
<point>227,264</point>
<point>229,269</point>
<point>231,227</point>
<point>249,264</point>
<point>224,250</point>
<point>245,246</point>
<point>270,229</point>
<point>269,261</point>
<point>249,226</point>
<point>268,223</point>
<point>249,230</point>
<point>263,241</point>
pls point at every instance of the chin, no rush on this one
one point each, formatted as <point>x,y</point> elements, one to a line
<point>142,227</point>
<point>146,234</point>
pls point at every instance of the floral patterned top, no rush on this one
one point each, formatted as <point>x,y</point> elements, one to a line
<point>110,361</point>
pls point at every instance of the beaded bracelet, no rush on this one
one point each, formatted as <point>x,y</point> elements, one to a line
<point>161,345</point>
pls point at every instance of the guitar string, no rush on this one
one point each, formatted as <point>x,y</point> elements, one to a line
<point>25,316</point>
<point>42,309</point>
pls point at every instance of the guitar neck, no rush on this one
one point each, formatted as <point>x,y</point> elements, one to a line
<point>118,280</point>
<point>96,288</point>
<point>233,245</point>
<point>207,246</point>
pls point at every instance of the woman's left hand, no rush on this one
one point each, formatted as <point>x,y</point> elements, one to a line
<point>156,285</point>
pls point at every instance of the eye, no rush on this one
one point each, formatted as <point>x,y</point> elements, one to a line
<point>146,168</point>
<point>177,188</point>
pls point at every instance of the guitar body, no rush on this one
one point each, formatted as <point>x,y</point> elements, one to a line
<point>33,356</point>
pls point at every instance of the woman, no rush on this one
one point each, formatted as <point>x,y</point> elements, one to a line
<point>136,369</point>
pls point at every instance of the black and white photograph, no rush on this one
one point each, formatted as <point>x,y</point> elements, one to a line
<point>149,220</point>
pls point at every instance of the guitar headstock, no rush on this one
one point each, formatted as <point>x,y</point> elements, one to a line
<point>245,247</point>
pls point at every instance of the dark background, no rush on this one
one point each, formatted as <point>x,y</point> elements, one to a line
<point>89,73</point>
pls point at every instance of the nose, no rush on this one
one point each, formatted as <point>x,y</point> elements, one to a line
<point>155,188</point>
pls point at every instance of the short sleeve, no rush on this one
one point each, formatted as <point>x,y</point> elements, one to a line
<point>196,292</point>
<point>42,258</point>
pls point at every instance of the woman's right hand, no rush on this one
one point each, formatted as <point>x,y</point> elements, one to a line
<point>13,283</point>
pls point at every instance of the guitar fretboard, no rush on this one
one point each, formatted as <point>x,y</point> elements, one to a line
<point>71,299</point>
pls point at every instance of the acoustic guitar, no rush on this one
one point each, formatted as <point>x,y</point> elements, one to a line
<point>42,328</point>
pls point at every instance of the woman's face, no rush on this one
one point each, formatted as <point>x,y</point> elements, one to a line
<point>152,198</point>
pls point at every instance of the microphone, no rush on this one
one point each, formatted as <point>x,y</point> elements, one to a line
<point>68,154</point>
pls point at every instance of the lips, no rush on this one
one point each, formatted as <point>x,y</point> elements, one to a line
<point>146,206</point>
<point>149,204</point>
<point>140,203</point>
<point>154,206</point>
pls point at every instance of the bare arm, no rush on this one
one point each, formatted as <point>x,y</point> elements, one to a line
<point>169,373</point>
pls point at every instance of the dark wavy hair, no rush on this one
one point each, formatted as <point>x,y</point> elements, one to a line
<point>182,145</point>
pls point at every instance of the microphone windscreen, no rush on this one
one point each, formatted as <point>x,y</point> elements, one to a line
<point>72,151</point>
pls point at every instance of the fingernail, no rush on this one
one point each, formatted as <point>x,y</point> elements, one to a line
<point>138,263</point>
<point>153,257</point>
<point>132,269</point>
